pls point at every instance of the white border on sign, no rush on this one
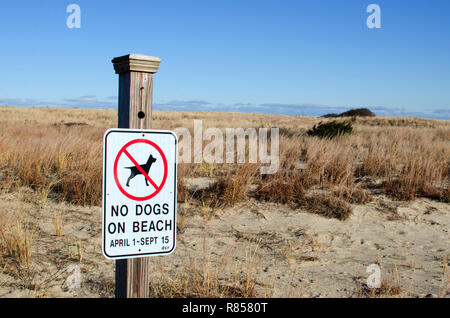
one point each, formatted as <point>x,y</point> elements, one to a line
<point>138,131</point>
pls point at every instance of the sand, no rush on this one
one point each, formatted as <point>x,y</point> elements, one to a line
<point>285,252</point>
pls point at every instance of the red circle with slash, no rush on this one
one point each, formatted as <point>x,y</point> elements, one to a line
<point>123,150</point>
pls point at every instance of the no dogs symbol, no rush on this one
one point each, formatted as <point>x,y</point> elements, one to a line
<point>140,169</point>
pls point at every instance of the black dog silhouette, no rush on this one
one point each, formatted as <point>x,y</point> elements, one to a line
<point>134,171</point>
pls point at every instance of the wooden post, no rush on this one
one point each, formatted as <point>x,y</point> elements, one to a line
<point>135,111</point>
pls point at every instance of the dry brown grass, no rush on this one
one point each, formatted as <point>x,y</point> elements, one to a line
<point>327,206</point>
<point>230,277</point>
<point>230,188</point>
<point>281,188</point>
<point>445,277</point>
<point>16,238</point>
<point>58,223</point>
<point>58,152</point>
<point>353,195</point>
<point>390,286</point>
<point>412,163</point>
<point>182,191</point>
<point>330,162</point>
<point>66,162</point>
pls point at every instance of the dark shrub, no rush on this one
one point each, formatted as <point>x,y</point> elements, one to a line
<point>331,129</point>
<point>359,112</point>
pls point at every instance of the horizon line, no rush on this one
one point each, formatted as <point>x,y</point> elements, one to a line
<point>234,111</point>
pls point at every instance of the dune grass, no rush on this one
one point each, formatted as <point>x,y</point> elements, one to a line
<point>62,158</point>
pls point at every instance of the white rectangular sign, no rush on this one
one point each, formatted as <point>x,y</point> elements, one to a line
<point>139,193</point>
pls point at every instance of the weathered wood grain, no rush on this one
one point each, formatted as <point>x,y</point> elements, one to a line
<point>135,111</point>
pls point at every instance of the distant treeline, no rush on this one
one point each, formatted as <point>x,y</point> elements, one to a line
<point>361,112</point>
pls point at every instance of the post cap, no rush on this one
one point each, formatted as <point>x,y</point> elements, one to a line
<point>136,63</point>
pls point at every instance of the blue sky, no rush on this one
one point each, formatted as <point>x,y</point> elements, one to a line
<point>305,57</point>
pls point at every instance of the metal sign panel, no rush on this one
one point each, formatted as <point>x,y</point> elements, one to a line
<point>139,193</point>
